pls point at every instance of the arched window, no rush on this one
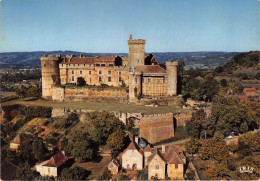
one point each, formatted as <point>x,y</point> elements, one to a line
<point>157,167</point>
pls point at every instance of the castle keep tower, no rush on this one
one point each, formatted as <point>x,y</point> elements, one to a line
<point>136,53</point>
<point>50,74</point>
<point>171,68</point>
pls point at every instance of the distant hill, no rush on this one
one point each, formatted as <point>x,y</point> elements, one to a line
<point>243,61</point>
<point>32,59</point>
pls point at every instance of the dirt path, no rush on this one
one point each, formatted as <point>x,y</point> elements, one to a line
<point>180,142</point>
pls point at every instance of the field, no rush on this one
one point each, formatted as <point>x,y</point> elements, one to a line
<point>95,106</point>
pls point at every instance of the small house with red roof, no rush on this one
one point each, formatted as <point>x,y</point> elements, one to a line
<point>113,167</point>
<point>132,157</point>
<point>19,140</point>
<point>54,165</point>
<point>250,91</point>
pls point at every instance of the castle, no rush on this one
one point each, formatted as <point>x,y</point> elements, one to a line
<point>139,72</point>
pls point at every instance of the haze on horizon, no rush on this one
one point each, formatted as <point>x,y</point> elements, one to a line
<point>104,26</point>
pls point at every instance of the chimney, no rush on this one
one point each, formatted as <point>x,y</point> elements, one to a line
<point>136,139</point>
<point>163,148</point>
<point>131,37</point>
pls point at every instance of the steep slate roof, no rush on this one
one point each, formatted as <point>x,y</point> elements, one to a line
<point>133,146</point>
<point>157,152</point>
<point>150,69</point>
<point>172,155</point>
<point>22,138</point>
<point>56,160</point>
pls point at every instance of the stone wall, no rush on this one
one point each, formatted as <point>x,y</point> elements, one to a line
<point>89,93</point>
<point>157,127</point>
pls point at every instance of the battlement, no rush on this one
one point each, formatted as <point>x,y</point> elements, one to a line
<point>137,41</point>
<point>171,63</point>
<point>157,115</point>
<point>50,57</point>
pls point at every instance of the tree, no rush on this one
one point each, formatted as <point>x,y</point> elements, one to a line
<point>39,149</point>
<point>75,173</point>
<point>106,175</point>
<point>80,146</point>
<point>101,125</point>
<point>211,173</point>
<point>197,123</point>
<point>193,146</point>
<point>116,140</point>
<point>24,172</point>
<point>223,83</point>
<point>81,81</point>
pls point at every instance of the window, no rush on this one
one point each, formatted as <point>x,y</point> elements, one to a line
<point>103,65</point>
<point>89,72</point>
<point>72,78</point>
<point>136,80</point>
<point>149,79</point>
<point>109,79</point>
<point>72,72</point>
<point>163,80</point>
<point>100,72</point>
<point>119,79</point>
<point>158,80</point>
<point>99,78</point>
<point>110,65</point>
<point>44,65</point>
<point>69,64</point>
<point>62,65</point>
<point>80,72</point>
<point>73,64</point>
<point>176,166</point>
<point>84,65</point>
<point>98,65</point>
<point>157,167</point>
<point>119,73</point>
<point>109,72</point>
<point>78,64</point>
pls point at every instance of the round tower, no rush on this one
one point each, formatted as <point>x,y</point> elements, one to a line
<point>50,74</point>
<point>136,52</point>
<point>171,68</point>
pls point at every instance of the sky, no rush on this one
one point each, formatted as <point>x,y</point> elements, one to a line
<point>104,26</point>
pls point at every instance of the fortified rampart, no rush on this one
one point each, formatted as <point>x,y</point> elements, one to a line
<point>89,93</point>
<point>157,127</point>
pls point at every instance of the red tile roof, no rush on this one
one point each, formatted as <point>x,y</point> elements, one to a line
<point>56,160</point>
<point>249,90</point>
<point>78,60</point>
<point>150,69</point>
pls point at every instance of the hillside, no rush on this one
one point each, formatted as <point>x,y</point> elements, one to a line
<point>249,60</point>
<point>32,59</point>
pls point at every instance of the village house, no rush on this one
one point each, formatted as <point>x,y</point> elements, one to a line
<point>162,163</point>
<point>113,167</point>
<point>19,140</point>
<point>132,157</point>
<point>250,91</point>
<point>54,165</point>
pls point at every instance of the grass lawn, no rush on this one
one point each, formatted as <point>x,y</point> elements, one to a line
<point>95,106</point>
